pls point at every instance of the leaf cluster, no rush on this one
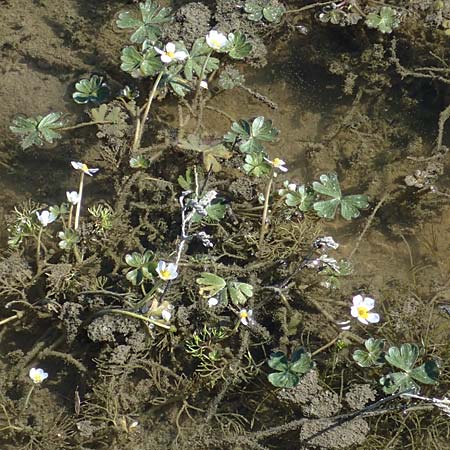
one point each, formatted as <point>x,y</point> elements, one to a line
<point>142,267</point>
<point>289,371</point>
<point>213,285</point>
<point>270,10</point>
<point>37,130</point>
<point>91,90</point>
<point>403,358</point>
<point>385,20</point>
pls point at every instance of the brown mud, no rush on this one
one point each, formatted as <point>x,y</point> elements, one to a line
<point>345,100</point>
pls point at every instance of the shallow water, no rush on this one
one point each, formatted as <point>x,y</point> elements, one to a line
<point>403,255</point>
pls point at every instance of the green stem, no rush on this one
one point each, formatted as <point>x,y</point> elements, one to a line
<point>313,5</point>
<point>266,209</point>
<point>200,79</point>
<point>140,123</point>
<point>86,124</point>
<point>38,248</point>
<point>137,316</point>
<point>27,400</point>
<point>80,196</point>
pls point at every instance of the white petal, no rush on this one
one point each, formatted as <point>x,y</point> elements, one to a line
<point>283,168</point>
<point>181,55</point>
<point>213,302</point>
<point>158,50</point>
<point>165,58</point>
<point>362,320</point>
<point>354,311</point>
<point>76,165</point>
<point>166,315</point>
<point>170,47</point>
<point>357,300</point>
<point>369,303</point>
<point>373,318</point>
<point>244,321</point>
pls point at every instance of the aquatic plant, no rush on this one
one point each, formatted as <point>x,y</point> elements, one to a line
<point>270,10</point>
<point>92,89</point>
<point>385,20</point>
<point>289,370</point>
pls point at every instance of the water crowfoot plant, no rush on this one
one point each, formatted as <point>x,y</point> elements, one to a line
<point>37,377</point>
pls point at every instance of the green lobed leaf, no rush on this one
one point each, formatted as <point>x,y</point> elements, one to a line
<point>328,185</point>
<point>351,204</point>
<point>211,283</point>
<point>398,382</point>
<point>195,64</point>
<point>239,47</point>
<point>278,361</point>
<point>254,10</point>
<point>301,362</point>
<point>373,356</point>
<point>427,373</point>
<point>91,90</point>
<point>403,358</point>
<point>283,379</point>
<point>274,13</point>
<point>239,292</point>
<point>256,165</point>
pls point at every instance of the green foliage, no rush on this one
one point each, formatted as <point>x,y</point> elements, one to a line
<point>405,358</point>
<point>101,114</point>
<point>137,64</point>
<point>342,268</point>
<point>37,130</point>
<point>373,356</point>
<point>91,90</point>
<point>68,239</point>
<point>239,47</point>
<point>256,165</point>
<point>210,152</point>
<point>186,182</point>
<point>143,267</point>
<point>173,80</point>
<point>289,372</point>
<point>212,285</point>
<point>139,162</point>
<point>385,20</point>
<point>301,197</point>
<point>250,136</point>
<point>350,204</point>
<point>195,64</point>
<point>147,27</point>
<point>230,78</point>
<point>256,10</point>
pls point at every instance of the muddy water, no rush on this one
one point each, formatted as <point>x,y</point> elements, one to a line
<point>47,46</point>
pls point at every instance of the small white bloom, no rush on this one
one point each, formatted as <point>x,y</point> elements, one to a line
<point>72,197</point>
<point>212,301</point>
<point>166,271</point>
<point>77,165</point>
<point>169,53</point>
<point>37,375</point>
<point>246,317</point>
<point>45,217</point>
<point>204,84</point>
<point>166,315</point>
<point>216,40</point>
<point>361,310</point>
<point>277,163</point>
<point>292,187</point>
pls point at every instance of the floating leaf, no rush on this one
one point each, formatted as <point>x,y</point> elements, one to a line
<point>211,284</point>
<point>91,90</point>
<point>350,204</point>
<point>37,130</point>
<point>254,10</point>
<point>198,56</point>
<point>148,26</point>
<point>239,47</point>
<point>385,20</point>
<point>239,292</point>
<point>403,358</point>
<point>290,371</point>
<point>302,198</point>
<point>273,13</point>
<point>256,165</point>
<point>140,64</point>
<point>373,356</point>
<point>143,265</point>
<point>250,136</point>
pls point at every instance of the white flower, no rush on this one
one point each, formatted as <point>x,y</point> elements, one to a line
<point>216,40</point>
<point>45,217</point>
<point>277,163</point>
<point>169,54</point>
<point>204,84</point>
<point>246,316</point>
<point>38,375</point>
<point>361,310</point>
<point>166,271</point>
<point>77,165</point>
<point>166,315</point>
<point>212,301</point>
<point>292,187</point>
<point>72,197</point>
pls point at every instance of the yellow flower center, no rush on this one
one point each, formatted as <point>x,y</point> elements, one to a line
<point>363,312</point>
<point>170,54</point>
<point>84,168</point>
<point>276,162</point>
<point>37,378</point>
<point>165,274</point>
<point>243,314</point>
